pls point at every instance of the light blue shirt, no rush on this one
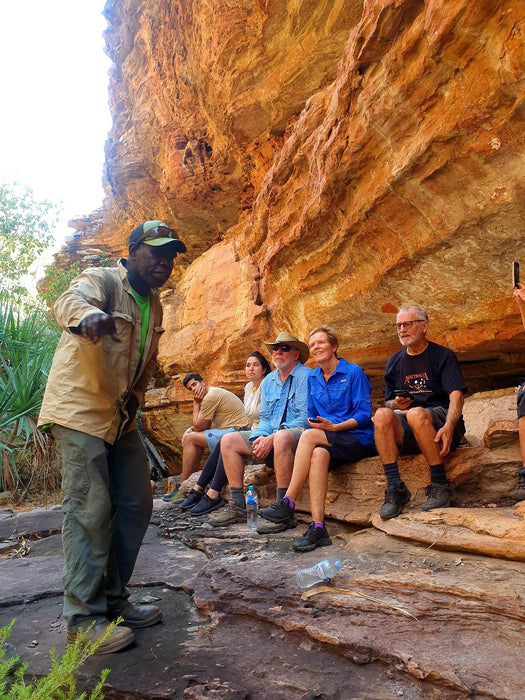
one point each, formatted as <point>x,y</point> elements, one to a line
<point>277,397</point>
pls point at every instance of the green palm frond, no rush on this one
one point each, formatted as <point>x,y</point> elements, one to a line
<point>27,344</point>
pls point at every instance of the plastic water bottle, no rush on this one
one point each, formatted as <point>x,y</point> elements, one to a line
<point>323,571</point>
<point>251,508</point>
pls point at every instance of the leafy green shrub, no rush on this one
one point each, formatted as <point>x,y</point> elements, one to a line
<point>57,279</point>
<point>60,682</point>
<point>27,345</point>
<point>25,232</point>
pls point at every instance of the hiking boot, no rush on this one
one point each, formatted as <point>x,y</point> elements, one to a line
<point>281,512</point>
<point>137,615</point>
<point>266,527</point>
<point>228,516</point>
<point>395,498</point>
<point>173,496</point>
<point>277,518</point>
<point>438,496</point>
<point>191,499</point>
<point>312,538</point>
<point>519,493</point>
<point>206,505</point>
<point>120,637</point>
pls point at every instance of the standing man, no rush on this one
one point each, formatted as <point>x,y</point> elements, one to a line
<point>111,320</point>
<point>424,397</point>
<point>211,406</point>
<point>282,419</point>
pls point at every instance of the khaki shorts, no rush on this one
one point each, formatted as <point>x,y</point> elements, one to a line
<point>297,432</point>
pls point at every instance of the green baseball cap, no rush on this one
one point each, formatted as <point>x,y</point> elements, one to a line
<point>156,233</point>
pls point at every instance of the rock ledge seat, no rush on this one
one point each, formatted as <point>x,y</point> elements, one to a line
<point>483,519</point>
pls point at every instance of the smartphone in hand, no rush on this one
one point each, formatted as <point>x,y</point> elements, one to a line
<point>402,393</point>
<point>515,274</point>
<point>314,420</point>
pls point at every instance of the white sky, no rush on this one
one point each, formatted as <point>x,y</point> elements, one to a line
<point>54,117</point>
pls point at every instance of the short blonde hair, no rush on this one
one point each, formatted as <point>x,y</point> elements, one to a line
<point>330,334</point>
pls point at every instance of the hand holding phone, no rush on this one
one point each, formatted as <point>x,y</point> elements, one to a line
<point>402,400</point>
<point>402,393</point>
<point>314,420</point>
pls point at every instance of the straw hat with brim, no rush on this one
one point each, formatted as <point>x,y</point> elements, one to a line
<point>285,338</point>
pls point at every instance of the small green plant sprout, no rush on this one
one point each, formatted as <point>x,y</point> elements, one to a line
<point>60,683</point>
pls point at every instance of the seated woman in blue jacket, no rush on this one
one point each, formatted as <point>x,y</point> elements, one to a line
<point>340,413</point>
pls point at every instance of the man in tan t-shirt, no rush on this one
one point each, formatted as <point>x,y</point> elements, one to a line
<point>212,406</point>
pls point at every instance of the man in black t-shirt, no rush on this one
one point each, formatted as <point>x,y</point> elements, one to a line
<point>423,402</point>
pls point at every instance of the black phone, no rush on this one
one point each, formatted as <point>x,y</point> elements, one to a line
<point>314,420</point>
<point>515,274</point>
<point>403,393</point>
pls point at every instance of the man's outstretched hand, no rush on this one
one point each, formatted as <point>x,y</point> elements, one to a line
<point>96,325</point>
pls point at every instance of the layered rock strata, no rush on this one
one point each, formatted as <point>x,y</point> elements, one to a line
<point>399,620</point>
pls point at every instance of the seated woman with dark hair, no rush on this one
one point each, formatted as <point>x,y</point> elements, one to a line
<point>198,502</point>
<point>340,413</point>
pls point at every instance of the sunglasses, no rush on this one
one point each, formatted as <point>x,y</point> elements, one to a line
<point>407,324</point>
<point>159,232</point>
<point>283,348</point>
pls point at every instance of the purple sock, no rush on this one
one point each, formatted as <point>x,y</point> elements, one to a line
<point>318,524</point>
<point>291,502</point>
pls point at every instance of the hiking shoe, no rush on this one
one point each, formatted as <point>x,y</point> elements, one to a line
<point>206,505</point>
<point>173,496</point>
<point>395,498</point>
<point>266,527</point>
<point>135,615</point>
<point>438,496</point>
<point>312,538</point>
<point>120,637</point>
<point>191,499</point>
<point>278,512</point>
<point>228,516</point>
<point>519,493</point>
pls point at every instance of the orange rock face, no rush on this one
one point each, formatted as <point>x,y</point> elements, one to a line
<point>325,162</point>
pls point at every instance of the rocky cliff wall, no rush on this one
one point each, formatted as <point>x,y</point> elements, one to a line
<point>325,161</point>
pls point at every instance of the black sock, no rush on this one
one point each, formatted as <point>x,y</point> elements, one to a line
<point>392,474</point>
<point>438,474</point>
<point>280,494</point>
<point>237,497</point>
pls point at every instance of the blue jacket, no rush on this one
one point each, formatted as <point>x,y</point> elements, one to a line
<point>274,397</point>
<point>346,395</point>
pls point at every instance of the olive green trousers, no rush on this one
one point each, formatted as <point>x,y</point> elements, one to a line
<point>107,504</point>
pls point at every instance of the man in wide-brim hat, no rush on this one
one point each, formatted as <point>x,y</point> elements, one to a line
<point>282,420</point>
<point>287,339</point>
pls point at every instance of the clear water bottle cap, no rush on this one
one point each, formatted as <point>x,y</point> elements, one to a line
<point>338,564</point>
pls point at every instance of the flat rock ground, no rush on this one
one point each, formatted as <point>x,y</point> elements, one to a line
<point>235,624</point>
